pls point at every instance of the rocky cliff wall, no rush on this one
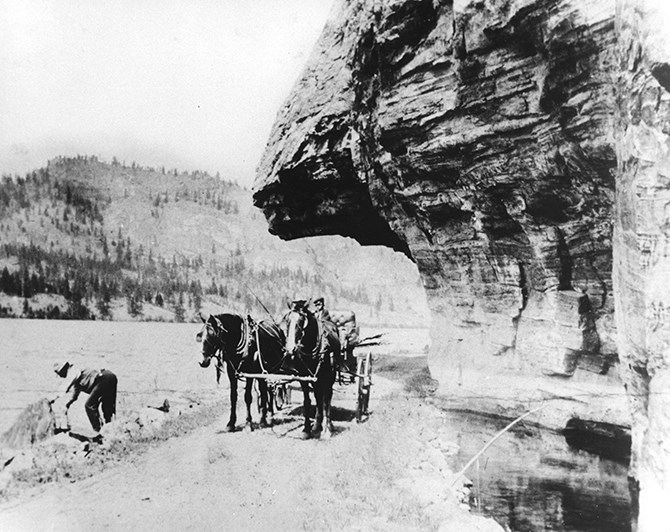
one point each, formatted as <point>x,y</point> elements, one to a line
<point>642,244</point>
<point>518,152</point>
<point>477,138</point>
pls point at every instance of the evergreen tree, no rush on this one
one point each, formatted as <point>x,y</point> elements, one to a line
<point>7,284</point>
<point>197,302</point>
<point>134,303</point>
<point>103,303</point>
<point>179,310</point>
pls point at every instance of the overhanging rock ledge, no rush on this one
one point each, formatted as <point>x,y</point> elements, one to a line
<point>511,149</point>
<point>478,140</point>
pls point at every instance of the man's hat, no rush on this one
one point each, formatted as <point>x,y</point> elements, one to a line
<point>318,300</point>
<point>61,368</point>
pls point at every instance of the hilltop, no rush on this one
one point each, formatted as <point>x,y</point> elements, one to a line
<point>87,239</point>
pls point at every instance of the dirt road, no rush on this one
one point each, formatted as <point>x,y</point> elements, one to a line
<point>389,473</point>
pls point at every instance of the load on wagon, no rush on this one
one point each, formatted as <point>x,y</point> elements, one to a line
<point>349,336</point>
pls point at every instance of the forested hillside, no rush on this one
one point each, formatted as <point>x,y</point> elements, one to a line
<point>85,239</point>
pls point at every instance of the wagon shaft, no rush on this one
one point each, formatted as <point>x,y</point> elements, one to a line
<point>277,377</point>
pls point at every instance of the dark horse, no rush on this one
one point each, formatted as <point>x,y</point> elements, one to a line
<point>314,347</point>
<point>245,346</point>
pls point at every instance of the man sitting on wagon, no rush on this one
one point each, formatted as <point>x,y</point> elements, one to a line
<point>349,336</point>
<point>321,311</point>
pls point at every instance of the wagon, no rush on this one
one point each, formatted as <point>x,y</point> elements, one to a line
<point>355,367</point>
<point>363,377</point>
<point>281,391</point>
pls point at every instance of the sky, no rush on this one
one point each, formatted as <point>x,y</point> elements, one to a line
<point>187,84</point>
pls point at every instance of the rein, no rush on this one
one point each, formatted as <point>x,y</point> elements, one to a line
<point>258,349</point>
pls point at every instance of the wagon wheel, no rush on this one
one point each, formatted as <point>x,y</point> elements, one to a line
<point>279,395</point>
<point>282,395</point>
<point>363,372</point>
<point>258,395</point>
<point>271,396</point>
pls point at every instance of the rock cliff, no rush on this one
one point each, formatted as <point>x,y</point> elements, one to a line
<point>477,138</point>
<point>641,244</point>
<point>481,138</point>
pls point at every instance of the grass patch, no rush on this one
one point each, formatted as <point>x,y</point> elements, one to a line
<point>411,372</point>
<point>420,383</point>
<point>391,366</point>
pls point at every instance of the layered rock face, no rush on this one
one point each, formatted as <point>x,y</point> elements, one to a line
<point>642,244</point>
<point>478,139</point>
<point>481,139</point>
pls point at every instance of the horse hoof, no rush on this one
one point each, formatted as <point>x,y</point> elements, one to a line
<point>265,424</point>
<point>249,427</point>
<point>229,428</point>
<point>304,435</point>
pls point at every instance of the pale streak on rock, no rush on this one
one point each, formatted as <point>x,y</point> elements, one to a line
<point>642,244</point>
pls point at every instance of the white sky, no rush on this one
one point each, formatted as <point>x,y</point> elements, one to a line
<point>192,84</point>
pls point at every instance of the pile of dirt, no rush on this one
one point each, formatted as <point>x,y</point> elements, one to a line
<point>79,453</point>
<point>34,424</point>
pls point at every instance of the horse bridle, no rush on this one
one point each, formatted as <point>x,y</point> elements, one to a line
<point>214,349</point>
<point>301,330</point>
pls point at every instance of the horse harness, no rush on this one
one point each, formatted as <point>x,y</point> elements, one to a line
<point>248,328</point>
<point>320,348</point>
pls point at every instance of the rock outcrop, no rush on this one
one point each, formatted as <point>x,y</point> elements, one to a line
<point>481,139</point>
<point>642,244</point>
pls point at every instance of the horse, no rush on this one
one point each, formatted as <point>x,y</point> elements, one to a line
<point>314,348</point>
<point>245,346</point>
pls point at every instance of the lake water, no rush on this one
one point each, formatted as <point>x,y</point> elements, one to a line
<point>151,360</point>
<point>531,480</point>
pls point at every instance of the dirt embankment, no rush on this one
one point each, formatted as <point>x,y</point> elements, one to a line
<point>389,473</point>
